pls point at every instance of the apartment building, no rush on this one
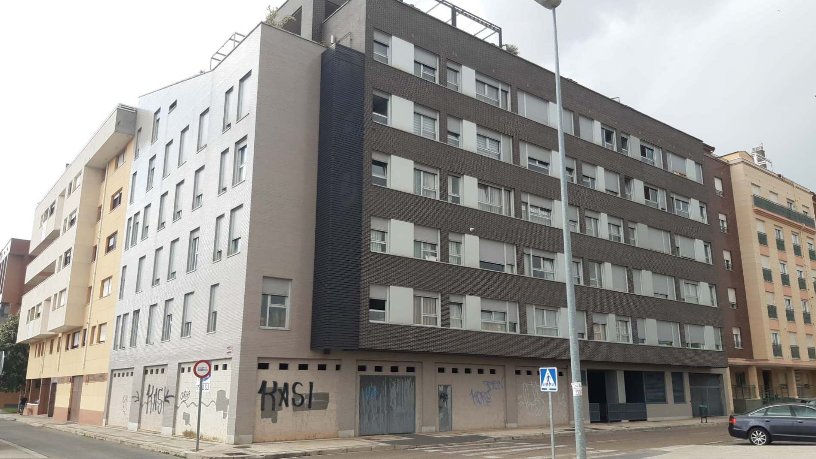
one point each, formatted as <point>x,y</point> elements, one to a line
<point>777,232</point>
<point>72,280</point>
<point>356,221</point>
<point>13,260</point>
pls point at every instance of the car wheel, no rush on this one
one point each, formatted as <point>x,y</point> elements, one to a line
<point>758,436</point>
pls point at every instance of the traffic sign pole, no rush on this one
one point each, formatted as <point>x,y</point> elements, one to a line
<point>548,382</point>
<point>201,370</point>
<point>552,427</point>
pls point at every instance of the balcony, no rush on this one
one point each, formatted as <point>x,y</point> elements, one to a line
<point>790,315</point>
<point>777,350</point>
<point>812,353</point>
<point>28,332</point>
<point>783,211</point>
<point>780,244</point>
<point>806,317</point>
<point>797,250</point>
<point>802,283</point>
<point>772,312</point>
<point>767,274</point>
<point>763,238</point>
<point>785,279</point>
<point>795,352</point>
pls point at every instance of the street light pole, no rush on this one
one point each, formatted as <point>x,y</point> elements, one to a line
<point>575,358</point>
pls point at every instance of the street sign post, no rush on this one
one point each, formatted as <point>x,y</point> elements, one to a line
<point>548,379</point>
<point>202,370</point>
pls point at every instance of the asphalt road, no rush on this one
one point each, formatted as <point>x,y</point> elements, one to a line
<point>22,441</point>
<point>706,441</point>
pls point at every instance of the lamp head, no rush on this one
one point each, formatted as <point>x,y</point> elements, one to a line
<point>549,4</point>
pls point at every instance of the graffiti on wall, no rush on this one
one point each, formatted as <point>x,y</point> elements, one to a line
<point>155,399</point>
<point>300,397</point>
<point>532,399</point>
<point>482,396</point>
<point>185,401</point>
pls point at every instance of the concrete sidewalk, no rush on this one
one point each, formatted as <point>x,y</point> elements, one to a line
<point>183,447</point>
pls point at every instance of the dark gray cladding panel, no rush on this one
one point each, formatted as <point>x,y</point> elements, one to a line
<point>338,229</point>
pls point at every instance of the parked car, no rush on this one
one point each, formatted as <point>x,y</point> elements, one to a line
<point>780,422</point>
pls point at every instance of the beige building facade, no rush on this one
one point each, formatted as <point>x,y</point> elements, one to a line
<point>71,284</point>
<point>777,232</point>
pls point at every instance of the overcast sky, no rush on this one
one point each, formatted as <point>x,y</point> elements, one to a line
<point>734,73</point>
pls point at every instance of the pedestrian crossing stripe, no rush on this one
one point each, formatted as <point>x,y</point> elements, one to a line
<point>549,379</point>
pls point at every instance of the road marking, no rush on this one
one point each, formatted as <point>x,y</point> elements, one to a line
<point>23,449</point>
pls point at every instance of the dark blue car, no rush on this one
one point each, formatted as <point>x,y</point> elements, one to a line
<point>781,422</point>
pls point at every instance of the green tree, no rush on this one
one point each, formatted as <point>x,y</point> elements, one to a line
<point>16,357</point>
<point>273,19</point>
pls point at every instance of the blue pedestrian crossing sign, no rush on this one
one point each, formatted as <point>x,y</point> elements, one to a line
<point>549,379</point>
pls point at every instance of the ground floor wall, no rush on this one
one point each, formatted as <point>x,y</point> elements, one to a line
<point>756,383</point>
<point>355,394</point>
<point>9,399</point>
<point>79,398</point>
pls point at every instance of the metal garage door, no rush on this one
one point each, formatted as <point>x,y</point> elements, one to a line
<point>121,397</point>
<point>706,389</point>
<point>387,405</point>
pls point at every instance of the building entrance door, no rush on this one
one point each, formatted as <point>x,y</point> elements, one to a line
<point>52,397</point>
<point>706,389</point>
<point>445,408</point>
<point>387,405</point>
<point>76,398</point>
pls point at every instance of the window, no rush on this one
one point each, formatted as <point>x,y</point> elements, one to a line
<point>134,329</point>
<point>455,189</point>
<point>425,123</point>
<point>243,106</point>
<point>110,242</point>
<point>122,280</point>
<point>425,64</point>
<point>615,229</point>
<point>499,316</point>
<point>488,146</point>
<point>803,411</point>
<point>379,173</point>
<point>171,260</point>
<point>454,76</point>
<point>66,258</point>
<point>591,224</point>
<point>684,247</point>
<point>275,303</point>
<point>577,272</point>
<point>379,107</point>
<point>378,304</point>
<point>707,252</point>
<point>198,194</point>
<point>182,148</point>
<point>382,45</point>
<point>570,168</point>
<point>718,186</point>
<point>624,144</point>
<point>608,136</point>
<point>494,199</point>
<point>227,100</point>
<point>425,183</point>
<point>457,318</point>
<point>595,274</point>
<point>455,249</point>
<point>105,288</point>
<point>690,293</point>
<point>426,243</point>
<point>139,271</point>
<point>156,263</point>
<point>695,336</point>
<point>212,310</point>
<point>156,123</point>
<point>612,182</point>
<point>599,330</point>
<point>678,387</point>
<point>497,256</point>
<point>737,334</point>
<point>454,132</point>
<point>186,323</point>
<point>729,265</point>
<point>71,221</point>
<point>239,169</point>
<point>703,213</point>
<point>588,175</point>
<point>137,143</point>
<point>732,298</point>
<point>426,310</point>
<point>676,164</point>
<point>668,333</point>
<point>723,223</point>
<point>168,150</point>
<point>632,234</point>
<point>234,232</point>
<point>177,196</point>
<point>541,213</point>
<point>647,154</point>
<point>116,200</point>
<point>203,129</point>
<point>681,206</point>
<point>219,228</point>
<point>146,222</point>
<point>540,265</point>
<point>152,320</point>
<point>167,321</point>
<point>192,251</point>
<point>652,196</point>
<point>623,327</point>
<point>492,92</point>
<point>546,322</point>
